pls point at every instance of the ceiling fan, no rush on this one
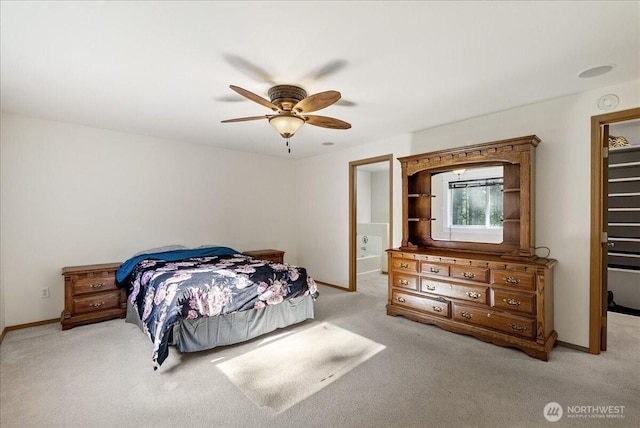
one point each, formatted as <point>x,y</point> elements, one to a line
<point>291,105</point>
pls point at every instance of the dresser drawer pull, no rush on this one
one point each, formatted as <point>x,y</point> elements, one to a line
<point>468,274</point>
<point>517,327</point>
<point>434,270</point>
<point>404,282</point>
<point>437,309</point>
<point>97,285</point>
<point>431,287</point>
<point>511,280</point>
<point>512,302</point>
<point>473,294</point>
<point>97,304</point>
<point>400,299</point>
<point>404,265</point>
<point>466,315</point>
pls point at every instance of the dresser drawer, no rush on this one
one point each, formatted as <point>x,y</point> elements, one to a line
<point>507,323</point>
<point>513,280</point>
<point>404,264</point>
<point>423,304</point>
<point>513,301</point>
<point>471,293</point>
<point>439,269</point>
<point>470,273</point>
<point>94,283</point>
<point>96,302</point>
<point>404,280</point>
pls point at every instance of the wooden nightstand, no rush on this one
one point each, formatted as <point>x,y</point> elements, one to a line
<point>91,295</point>
<point>268,255</point>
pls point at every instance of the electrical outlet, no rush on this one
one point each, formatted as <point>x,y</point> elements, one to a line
<point>44,292</point>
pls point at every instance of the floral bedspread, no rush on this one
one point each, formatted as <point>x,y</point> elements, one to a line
<point>164,292</point>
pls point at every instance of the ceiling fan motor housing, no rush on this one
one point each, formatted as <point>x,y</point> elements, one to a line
<point>286,96</point>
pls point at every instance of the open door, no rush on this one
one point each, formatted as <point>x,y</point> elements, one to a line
<point>604,142</point>
<point>599,225</point>
<point>353,209</point>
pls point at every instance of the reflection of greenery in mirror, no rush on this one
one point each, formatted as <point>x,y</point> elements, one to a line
<point>476,202</point>
<point>468,205</point>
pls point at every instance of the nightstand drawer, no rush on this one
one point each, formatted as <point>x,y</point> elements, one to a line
<point>93,284</point>
<point>276,256</point>
<point>97,302</point>
<point>91,295</point>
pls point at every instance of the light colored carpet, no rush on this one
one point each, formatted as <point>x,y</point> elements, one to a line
<point>100,375</point>
<point>290,369</point>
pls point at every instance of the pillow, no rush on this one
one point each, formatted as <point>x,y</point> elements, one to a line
<point>160,250</point>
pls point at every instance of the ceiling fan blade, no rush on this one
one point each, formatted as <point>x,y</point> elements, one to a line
<point>325,70</point>
<point>327,122</point>
<point>317,101</point>
<point>249,69</point>
<point>253,97</point>
<point>245,119</point>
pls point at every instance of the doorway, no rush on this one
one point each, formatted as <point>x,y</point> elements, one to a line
<point>599,225</point>
<point>370,220</point>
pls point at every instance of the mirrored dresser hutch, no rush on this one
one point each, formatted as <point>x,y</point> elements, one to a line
<point>467,261</point>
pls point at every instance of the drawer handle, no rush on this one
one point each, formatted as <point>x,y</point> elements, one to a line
<point>466,315</point>
<point>400,299</point>
<point>473,294</point>
<point>517,327</point>
<point>96,304</point>
<point>511,280</point>
<point>468,274</point>
<point>404,265</point>
<point>431,287</point>
<point>404,282</point>
<point>512,302</point>
<point>434,270</point>
<point>437,309</point>
<point>97,285</point>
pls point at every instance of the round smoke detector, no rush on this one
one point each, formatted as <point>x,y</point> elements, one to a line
<point>607,102</point>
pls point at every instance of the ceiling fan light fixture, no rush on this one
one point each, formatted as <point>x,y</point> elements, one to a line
<point>286,124</point>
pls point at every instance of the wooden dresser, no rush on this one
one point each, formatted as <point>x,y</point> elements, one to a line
<point>508,303</point>
<point>268,255</point>
<point>91,295</point>
<point>467,261</point>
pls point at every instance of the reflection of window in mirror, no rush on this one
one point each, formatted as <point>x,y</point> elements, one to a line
<point>469,206</point>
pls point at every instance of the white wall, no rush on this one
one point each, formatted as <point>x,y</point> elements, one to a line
<point>563,180</point>
<point>380,196</point>
<point>363,196</point>
<point>73,195</point>
<point>323,207</point>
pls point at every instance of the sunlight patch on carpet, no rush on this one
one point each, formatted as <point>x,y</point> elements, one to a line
<point>287,371</point>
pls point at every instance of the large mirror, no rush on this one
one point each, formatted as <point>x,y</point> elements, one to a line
<point>473,198</point>
<point>467,205</point>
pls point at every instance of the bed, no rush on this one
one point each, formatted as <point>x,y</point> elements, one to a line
<point>200,298</point>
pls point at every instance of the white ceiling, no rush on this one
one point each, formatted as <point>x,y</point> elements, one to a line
<point>164,68</point>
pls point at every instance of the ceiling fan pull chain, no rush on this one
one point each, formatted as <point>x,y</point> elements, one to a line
<point>288,146</point>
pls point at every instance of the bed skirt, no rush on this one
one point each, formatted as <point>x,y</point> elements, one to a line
<point>206,333</point>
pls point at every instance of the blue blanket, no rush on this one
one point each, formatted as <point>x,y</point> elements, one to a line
<point>128,266</point>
